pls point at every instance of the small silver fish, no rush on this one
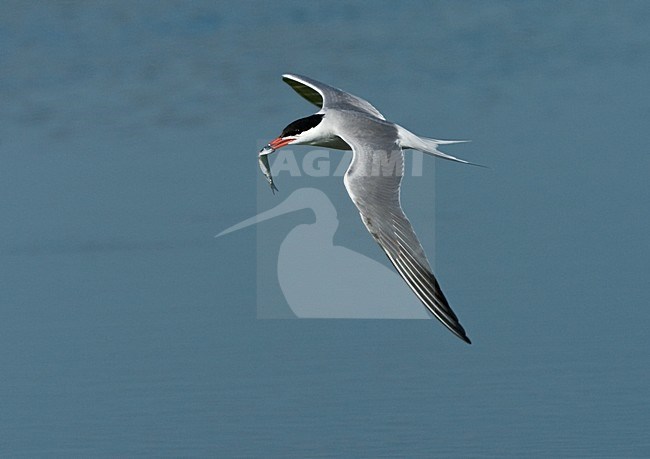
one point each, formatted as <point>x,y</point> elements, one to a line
<point>264,166</point>
<point>267,150</point>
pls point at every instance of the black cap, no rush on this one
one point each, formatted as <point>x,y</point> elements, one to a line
<point>302,125</point>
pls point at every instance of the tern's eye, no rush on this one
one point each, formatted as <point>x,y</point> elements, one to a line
<point>290,132</point>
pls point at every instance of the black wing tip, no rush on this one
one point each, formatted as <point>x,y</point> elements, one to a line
<point>459,331</point>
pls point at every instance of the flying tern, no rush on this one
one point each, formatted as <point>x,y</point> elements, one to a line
<point>347,122</point>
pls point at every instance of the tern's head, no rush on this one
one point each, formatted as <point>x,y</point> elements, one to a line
<point>300,132</point>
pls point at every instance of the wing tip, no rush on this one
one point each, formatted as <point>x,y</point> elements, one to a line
<point>292,76</point>
<point>458,330</point>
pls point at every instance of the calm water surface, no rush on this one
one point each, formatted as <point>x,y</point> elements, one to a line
<point>128,134</point>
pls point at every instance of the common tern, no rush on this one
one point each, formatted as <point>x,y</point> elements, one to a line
<point>347,122</point>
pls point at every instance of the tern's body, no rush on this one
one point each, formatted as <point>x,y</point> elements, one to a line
<point>373,179</point>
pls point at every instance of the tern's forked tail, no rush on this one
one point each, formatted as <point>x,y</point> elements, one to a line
<point>429,146</point>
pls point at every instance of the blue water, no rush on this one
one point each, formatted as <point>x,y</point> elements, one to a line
<point>128,134</point>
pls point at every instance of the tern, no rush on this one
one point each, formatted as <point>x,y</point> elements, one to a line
<point>347,122</point>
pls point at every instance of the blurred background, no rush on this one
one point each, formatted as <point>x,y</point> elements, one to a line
<point>128,139</point>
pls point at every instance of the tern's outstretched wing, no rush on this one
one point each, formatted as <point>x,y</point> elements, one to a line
<point>373,182</point>
<point>324,96</point>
